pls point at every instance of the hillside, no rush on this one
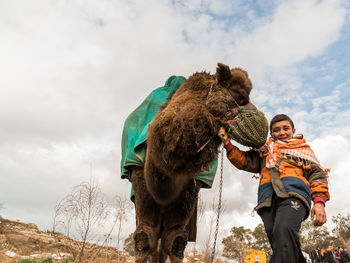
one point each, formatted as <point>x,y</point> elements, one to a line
<point>20,241</point>
<point>23,241</point>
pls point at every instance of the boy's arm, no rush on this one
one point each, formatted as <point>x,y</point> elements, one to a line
<point>320,194</point>
<point>249,161</point>
<point>318,183</point>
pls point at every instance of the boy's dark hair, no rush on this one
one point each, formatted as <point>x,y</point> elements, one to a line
<point>281,117</point>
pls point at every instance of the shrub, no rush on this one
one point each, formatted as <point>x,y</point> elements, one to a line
<point>69,259</point>
<point>27,260</point>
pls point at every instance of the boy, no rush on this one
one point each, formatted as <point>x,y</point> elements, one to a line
<point>290,176</point>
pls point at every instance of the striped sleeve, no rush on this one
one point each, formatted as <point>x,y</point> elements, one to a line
<point>318,182</point>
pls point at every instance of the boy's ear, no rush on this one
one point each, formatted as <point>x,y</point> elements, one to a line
<point>271,135</point>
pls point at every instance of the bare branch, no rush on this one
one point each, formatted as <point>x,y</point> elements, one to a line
<point>85,209</point>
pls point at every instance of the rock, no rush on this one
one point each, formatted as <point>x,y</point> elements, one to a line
<point>31,225</point>
<point>35,256</point>
<point>10,254</point>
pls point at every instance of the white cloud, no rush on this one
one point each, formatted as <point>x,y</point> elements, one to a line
<point>292,34</point>
<point>333,152</point>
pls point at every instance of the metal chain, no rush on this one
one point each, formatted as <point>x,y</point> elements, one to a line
<point>219,205</point>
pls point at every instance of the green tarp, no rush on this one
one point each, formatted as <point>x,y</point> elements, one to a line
<point>136,126</point>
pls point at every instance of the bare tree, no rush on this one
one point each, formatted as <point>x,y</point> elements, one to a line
<point>213,215</point>
<point>58,221</point>
<point>200,213</point>
<point>85,209</point>
<point>209,239</point>
<point>123,206</point>
<point>1,206</point>
<point>200,207</point>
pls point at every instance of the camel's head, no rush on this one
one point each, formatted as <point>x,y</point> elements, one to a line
<point>230,90</point>
<point>247,125</point>
<point>235,81</point>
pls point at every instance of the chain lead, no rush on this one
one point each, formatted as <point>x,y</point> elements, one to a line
<point>219,205</point>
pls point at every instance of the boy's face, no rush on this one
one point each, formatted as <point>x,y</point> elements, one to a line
<point>282,131</point>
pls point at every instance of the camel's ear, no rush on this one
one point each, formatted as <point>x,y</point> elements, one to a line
<point>223,74</point>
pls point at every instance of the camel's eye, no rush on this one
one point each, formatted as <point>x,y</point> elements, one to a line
<point>242,100</point>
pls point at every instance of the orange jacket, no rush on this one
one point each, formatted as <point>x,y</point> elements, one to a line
<point>291,176</point>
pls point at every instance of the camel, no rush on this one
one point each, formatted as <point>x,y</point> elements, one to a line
<point>181,143</point>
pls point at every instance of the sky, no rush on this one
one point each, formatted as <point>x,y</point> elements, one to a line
<point>72,71</point>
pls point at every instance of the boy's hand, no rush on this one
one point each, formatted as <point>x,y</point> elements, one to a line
<point>319,213</point>
<point>223,135</point>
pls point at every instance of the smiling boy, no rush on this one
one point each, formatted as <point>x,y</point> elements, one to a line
<point>290,177</point>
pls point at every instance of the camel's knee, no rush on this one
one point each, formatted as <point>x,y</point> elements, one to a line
<point>178,246</point>
<point>174,242</point>
<point>145,240</point>
<point>142,244</point>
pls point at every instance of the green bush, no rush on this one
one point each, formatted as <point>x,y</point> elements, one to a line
<point>69,259</point>
<point>45,260</point>
<point>27,260</point>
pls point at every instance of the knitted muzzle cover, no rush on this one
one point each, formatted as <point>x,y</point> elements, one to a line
<point>249,128</point>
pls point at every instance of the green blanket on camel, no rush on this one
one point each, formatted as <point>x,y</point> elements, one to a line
<point>136,126</point>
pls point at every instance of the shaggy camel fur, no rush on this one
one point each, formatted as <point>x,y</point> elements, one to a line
<point>182,141</point>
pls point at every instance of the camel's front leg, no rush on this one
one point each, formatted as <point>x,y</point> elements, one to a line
<point>176,219</point>
<point>147,220</point>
